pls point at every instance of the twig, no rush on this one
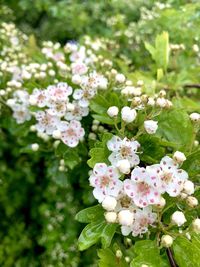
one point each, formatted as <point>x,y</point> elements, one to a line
<point>171,258</point>
<point>192,85</point>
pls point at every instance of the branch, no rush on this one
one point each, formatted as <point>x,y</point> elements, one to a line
<point>192,85</point>
<point>171,258</point>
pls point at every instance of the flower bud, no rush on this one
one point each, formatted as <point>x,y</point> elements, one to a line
<point>195,117</point>
<point>188,187</point>
<point>161,203</point>
<point>113,111</point>
<point>70,107</point>
<point>178,218</point>
<point>111,217</point>
<point>35,147</point>
<point>56,134</point>
<point>151,126</point>
<point>120,78</point>
<point>125,217</point>
<point>109,203</point>
<point>196,225</point>
<point>124,166</point>
<point>161,102</point>
<point>179,157</point>
<point>192,201</point>
<point>61,168</point>
<point>119,254</point>
<point>76,79</point>
<point>128,114</point>
<point>166,241</point>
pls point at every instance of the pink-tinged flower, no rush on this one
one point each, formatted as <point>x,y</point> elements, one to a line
<point>59,92</point>
<point>72,133</point>
<point>39,98</point>
<point>142,189</point>
<point>46,122</point>
<point>78,55</point>
<point>77,113</point>
<point>21,113</point>
<point>83,96</point>
<point>91,81</point>
<point>172,178</point>
<point>79,68</point>
<point>105,180</point>
<point>123,149</point>
<point>143,218</point>
<point>57,108</point>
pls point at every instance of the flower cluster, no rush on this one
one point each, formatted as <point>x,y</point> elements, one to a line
<point>130,194</point>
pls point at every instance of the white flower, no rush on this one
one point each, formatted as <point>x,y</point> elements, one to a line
<point>195,117</point>
<point>166,241</point>
<point>46,122</point>
<point>79,68</point>
<point>59,92</point>
<point>172,178</point>
<point>35,147</point>
<point>120,78</point>
<point>188,187</point>
<point>128,114</point>
<point>125,217</point>
<point>151,126</point>
<point>77,112</point>
<point>113,111</point>
<point>72,133</point>
<point>179,157</point>
<point>56,134</point>
<point>84,95</point>
<point>123,150</point>
<point>109,203</point>
<point>142,189</point>
<point>105,180</point>
<point>192,201</point>
<point>196,225</point>
<point>124,166</point>
<point>161,102</point>
<point>111,217</point>
<point>178,218</point>
<point>76,79</point>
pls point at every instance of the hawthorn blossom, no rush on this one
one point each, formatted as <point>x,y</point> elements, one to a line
<point>83,96</point>
<point>72,133</point>
<point>143,218</point>
<point>21,113</point>
<point>105,180</point>
<point>59,92</point>
<point>79,68</point>
<point>123,149</point>
<point>142,188</point>
<point>57,108</point>
<point>77,113</point>
<point>46,122</point>
<point>172,178</point>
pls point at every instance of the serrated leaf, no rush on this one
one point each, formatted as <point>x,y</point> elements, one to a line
<point>149,254</point>
<point>192,164</point>
<point>90,214</point>
<point>100,152</point>
<point>186,253</point>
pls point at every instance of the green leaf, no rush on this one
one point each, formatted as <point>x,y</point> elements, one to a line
<point>192,164</point>
<point>109,259</point>
<point>91,234</point>
<point>149,254</point>
<point>107,234</point>
<point>175,126</point>
<point>187,104</point>
<point>100,152</point>
<point>90,214</point>
<point>186,253</point>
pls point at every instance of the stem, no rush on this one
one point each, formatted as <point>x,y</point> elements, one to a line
<point>171,258</point>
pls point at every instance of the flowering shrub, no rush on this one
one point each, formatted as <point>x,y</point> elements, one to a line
<point>103,140</point>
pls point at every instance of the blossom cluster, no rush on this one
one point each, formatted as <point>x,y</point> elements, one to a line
<point>130,194</point>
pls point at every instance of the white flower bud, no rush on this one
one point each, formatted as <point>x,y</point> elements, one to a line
<point>76,79</point>
<point>151,102</point>
<point>52,73</point>
<point>56,143</point>
<point>161,203</point>
<point>113,111</point>
<point>10,102</point>
<point>179,157</point>
<point>192,201</point>
<point>33,128</point>
<point>32,100</point>
<point>183,195</point>
<point>188,187</point>
<point>127,259</point>
<point>35,147</point>
<point>196,225</point>
<point>92,136</point>
<point>120,78</point>
<point>111,217</point>
<point>140,83</point>
<point>128,114</point>
<point>195,48</point>
<point>70,107</point>
<point>109,203</point>
<point>178,218</point>
<point>62,162</point>
<point>56,134</point>
<point>61,168</point>
<point>161,102</point>
<point>151,126</point>
<point>124,166</point>
<point>166,241</point>
<point>195,117</point>
<point>188,236</point>
<point>196,143</point>
<point>119,253</point>
<point>125,217</point>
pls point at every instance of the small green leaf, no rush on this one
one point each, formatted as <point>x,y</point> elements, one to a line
<point>107,234</point>
<point>90,214</point>
<point>100,152</point>
<point>192,164</point>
